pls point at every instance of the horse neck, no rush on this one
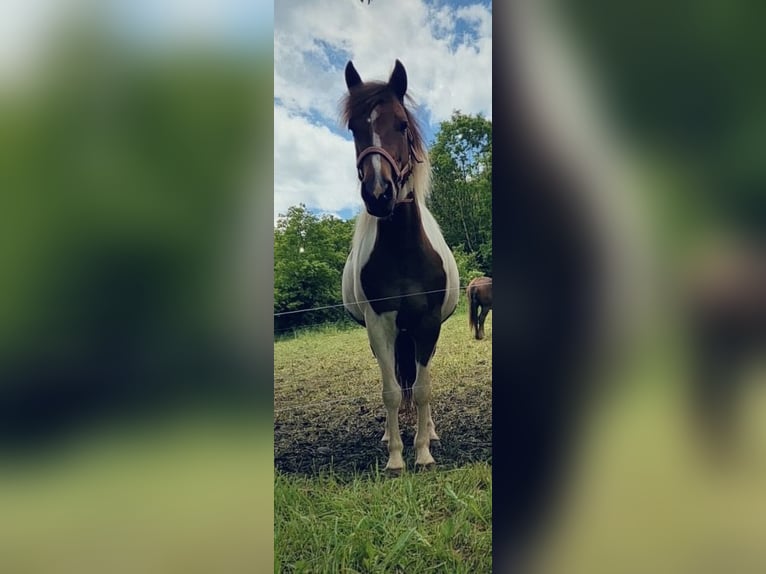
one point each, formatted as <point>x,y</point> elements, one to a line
<point>404,228</point>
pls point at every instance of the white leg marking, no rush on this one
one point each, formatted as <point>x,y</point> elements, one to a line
<point>432,426</point>
<point>381,331</point>
<point>425,429</point>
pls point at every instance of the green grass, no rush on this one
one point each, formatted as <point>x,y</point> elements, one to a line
<point>419,522</point>
<point>329,517</point>
<point>327,398</point>
<point>645,498</point>
<point>191,494</point>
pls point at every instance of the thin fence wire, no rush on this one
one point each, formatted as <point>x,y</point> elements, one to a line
<point>338,305</point>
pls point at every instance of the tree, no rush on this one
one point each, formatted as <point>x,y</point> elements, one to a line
<point>461,196</point>
<point>309,255</point>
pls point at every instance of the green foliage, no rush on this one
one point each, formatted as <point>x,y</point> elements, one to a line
<point>692,92</point>
<point>467,265</point>
<point>309,255</point>
<point>120,179</point>
<point>461,197</point>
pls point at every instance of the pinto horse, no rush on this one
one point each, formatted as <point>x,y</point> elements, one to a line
<point>479,294</point>
<point>400,280</point>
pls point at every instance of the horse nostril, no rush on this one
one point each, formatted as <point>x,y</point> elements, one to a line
<point>366,190</point>
<point>388,193</point>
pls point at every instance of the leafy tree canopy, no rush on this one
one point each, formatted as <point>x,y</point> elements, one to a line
<point>461,197</point>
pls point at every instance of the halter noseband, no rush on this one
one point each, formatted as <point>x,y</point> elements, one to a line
<point>402,174</point>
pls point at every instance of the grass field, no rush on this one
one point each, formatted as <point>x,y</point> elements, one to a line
<point>190,493</point>
<point>424,522</point>
<point>335,511</point>
<point>646,497</point>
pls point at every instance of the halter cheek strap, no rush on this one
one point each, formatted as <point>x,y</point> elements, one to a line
<point>402,175</point>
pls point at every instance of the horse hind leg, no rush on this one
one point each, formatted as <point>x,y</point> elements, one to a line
<point>473,312</point>
<point>482,317</point>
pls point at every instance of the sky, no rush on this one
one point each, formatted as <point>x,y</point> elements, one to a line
<point>445,46</point>
<point>28,28</point>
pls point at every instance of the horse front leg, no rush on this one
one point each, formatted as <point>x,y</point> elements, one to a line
<point>392,398</point>
<point>431,426</point>
<point>381,331</point>
<point>425,430</point>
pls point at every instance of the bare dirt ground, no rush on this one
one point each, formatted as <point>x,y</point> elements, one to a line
<point>328,409</point>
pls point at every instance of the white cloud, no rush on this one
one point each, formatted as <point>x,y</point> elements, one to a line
<point>442,77</point>
<point>312,165</point>
<point>447,69</point>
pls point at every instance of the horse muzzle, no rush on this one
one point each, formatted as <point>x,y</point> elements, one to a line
<point>382,203</point>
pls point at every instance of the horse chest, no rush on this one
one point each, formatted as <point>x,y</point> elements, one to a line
<point>410,281</point>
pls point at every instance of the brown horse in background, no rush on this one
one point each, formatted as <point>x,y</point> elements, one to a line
<point>479,294</point>
<point>726,306</point>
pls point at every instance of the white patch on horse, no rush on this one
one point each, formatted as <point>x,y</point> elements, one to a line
<point>425,430</point>
<point>436,239</point>
<point>375,157</point>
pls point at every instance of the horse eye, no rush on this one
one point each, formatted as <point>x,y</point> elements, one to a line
<point>403,126</point>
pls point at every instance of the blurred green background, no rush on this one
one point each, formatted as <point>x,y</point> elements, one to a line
<point>136,286</point>
<point>136,265</point>
<point>686,82</point>
<point>682,84</point>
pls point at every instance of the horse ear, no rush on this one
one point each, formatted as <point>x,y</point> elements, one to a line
<point>398,80</point>
<point>352,76</point>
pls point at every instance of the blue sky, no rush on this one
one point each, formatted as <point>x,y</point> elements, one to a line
<point>226,23</point>
<point>28,28</point>
<point>446,47</point>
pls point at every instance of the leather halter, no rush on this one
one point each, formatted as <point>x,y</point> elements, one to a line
<point>402,174</point>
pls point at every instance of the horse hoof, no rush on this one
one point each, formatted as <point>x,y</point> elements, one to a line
<point>424,460</point>
<point>393,472</point>
<point>425,467</point>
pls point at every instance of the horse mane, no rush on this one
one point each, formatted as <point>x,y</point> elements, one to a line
<point>361,101</point>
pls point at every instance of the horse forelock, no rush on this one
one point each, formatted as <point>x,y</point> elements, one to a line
<point>361,102</point>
